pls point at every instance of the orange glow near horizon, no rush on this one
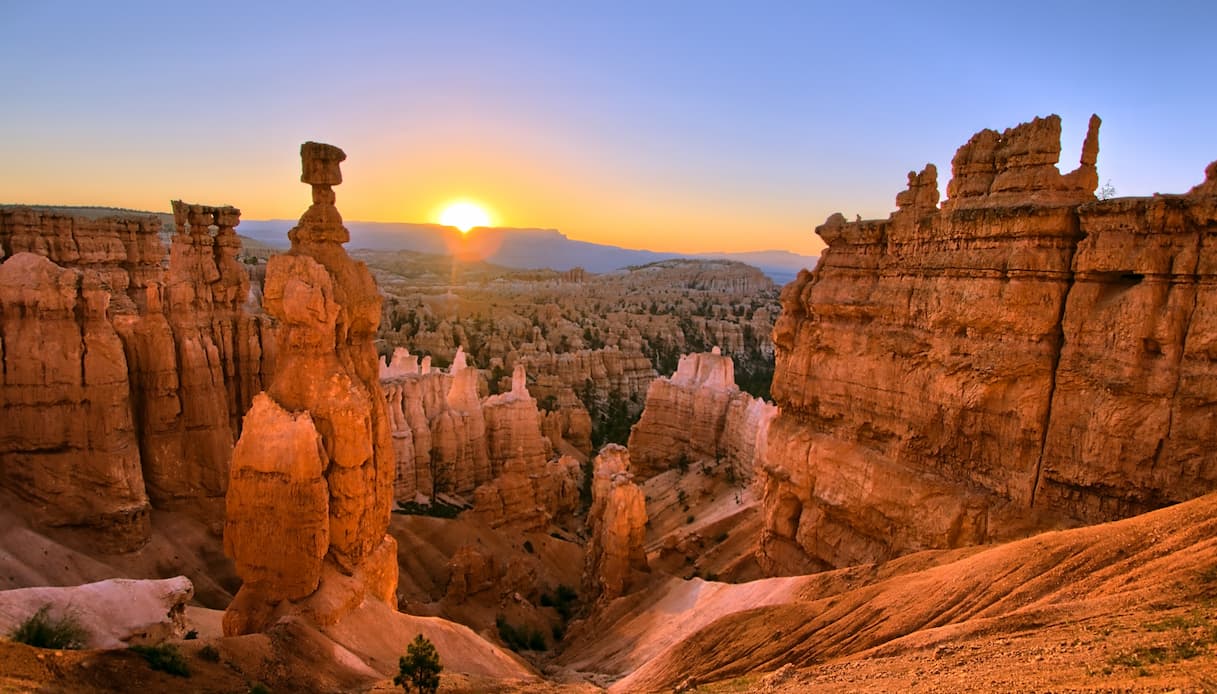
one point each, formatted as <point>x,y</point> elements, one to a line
<point>464,215</point>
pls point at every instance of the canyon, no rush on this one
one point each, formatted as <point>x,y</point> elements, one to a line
<point>989,442</point>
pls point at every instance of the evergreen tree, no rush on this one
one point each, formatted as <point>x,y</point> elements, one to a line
<point>419,668</point>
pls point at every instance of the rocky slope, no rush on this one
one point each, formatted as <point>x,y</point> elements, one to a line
<point>1022,356</point>
<point>1123,606</point>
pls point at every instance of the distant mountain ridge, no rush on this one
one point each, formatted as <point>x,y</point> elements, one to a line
<point>522,248</point>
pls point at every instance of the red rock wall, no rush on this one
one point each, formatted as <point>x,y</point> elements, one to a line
<point>1021,357</point>
<point>184,362</point>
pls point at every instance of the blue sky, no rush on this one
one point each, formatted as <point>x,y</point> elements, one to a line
<point>677,125</point>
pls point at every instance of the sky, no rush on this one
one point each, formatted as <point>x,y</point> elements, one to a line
<point>667,125</point>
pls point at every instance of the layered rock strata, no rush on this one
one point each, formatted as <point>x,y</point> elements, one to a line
<point>698,415</point>
<point>1022,356</point>
<point>312,476</point>
<point>164,359</point>
<point>530,487</point>
<point>68,444</point>
<point>617,522</point>
<point>446,440</point>
<point>438,427</point>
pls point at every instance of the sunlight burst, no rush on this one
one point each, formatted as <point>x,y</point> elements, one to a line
<point>464,216</point>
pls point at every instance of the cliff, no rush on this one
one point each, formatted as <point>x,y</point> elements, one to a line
<point>697,415</point>
<point>446,440</point>
<point>1022,356</point>
<point>125,374</point>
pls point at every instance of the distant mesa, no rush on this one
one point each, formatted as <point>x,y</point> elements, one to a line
<point>524,248</point>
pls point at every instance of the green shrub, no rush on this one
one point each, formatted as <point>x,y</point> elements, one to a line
<point>436,509</point>
<point>210,653</point>
<point>165,657</point>
<point>418,670</point>
<point>258,688</point>
<point>521,638</point>
<point>40,630</point>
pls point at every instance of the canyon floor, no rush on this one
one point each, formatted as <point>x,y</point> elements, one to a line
<point>1123,606</point>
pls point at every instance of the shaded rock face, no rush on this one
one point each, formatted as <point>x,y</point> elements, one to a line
<point>196,358</point>
<point>312,476</point>
<point>446,440</point>
<point>1023,357</point>
<point>617,521</point>
<point>438,427</point>
<point>164,359</point>
<point>67,440</point>
<point>699,414</point>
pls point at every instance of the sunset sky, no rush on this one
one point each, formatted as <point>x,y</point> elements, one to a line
<point>673,126</point>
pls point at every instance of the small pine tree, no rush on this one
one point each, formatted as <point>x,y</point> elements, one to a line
<point>419,668</point>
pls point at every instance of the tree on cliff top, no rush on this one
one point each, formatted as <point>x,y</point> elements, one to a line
<point>419,668</point>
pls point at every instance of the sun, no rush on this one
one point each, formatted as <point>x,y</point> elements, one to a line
<point>464,216</point>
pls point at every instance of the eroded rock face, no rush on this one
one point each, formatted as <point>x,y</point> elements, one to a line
<point>67,440</point>
<point>699,414</point>
<point>1023,357</point>
<point>174,349</point>
<point>195,357</point>
<point>617,521</point>
<point>438,427</point>
<point>318,441</point>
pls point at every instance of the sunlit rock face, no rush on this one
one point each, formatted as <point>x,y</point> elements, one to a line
<point>617,523</point>
<point>149,384</point>
<point>699,415</point>
<point>1022,356</point>
<point>312,477</point>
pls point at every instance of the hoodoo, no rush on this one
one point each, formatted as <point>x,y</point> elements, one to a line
<point>312,476</point>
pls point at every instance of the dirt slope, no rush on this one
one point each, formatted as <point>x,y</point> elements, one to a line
<point>1124,604</point>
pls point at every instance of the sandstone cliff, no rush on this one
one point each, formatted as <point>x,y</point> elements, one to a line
<point>697,415</point>
<point>446,440</point>
<point>67,440</point>
<point>312,476</point>
<point>438,428</point>
<point>1022,356</point>
<point>165,359</point>
<point>617,521</point>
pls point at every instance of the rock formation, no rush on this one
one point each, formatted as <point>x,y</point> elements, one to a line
<point>438,428</point>
<point>447,441</point>
<point>114,613</point>
<point>195,356</point>
<point>699,414</point>
<point>1021,357</point>
<point>617,521</point>
<point>312,476</point>
<point>67,440</point>
<point>529,488</point>
<point>148,368</point>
